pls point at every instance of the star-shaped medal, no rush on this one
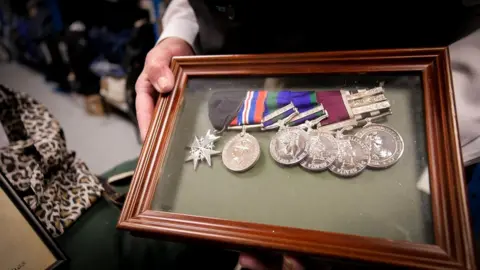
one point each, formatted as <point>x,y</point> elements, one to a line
<point>202,149</point>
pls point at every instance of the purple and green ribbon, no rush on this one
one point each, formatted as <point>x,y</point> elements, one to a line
<point>273,101</point>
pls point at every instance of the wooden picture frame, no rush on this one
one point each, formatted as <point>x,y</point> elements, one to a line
<point>453,248</point>
<point>44,245</point>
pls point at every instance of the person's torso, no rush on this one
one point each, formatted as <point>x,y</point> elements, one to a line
<point>252,27</point>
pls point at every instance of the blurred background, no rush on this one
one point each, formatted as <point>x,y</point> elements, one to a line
<point>81,59</point>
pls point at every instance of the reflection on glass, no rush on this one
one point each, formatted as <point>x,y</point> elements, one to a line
<point>380,200</point>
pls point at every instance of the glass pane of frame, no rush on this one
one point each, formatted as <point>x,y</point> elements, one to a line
<point>376,202</point>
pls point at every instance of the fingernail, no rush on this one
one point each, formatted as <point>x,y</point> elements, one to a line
<point>157,86</point>
<point>162,83</point>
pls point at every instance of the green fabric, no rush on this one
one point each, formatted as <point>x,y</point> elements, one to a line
<point>121,168</point>
<point>271,102</point>
<point>313,97</point>
<point>93,242</point>
<point>127,166</point>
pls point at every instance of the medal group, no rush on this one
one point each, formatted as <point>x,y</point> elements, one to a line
<point>317,130</point>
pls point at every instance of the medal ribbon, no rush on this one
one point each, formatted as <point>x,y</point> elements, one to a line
<point>272,106</point>
<point>276,100</point>
<point>281,113</point>
<point>252,110</point>
<point>335,104</point>
<point>265,108</point>
<point>308,106</point>
<point>304,100</point>
<point>309,115</point>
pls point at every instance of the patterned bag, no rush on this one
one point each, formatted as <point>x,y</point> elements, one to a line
<point>57,186</point>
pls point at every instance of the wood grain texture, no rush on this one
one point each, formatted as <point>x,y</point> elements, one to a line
<point>453,247</point>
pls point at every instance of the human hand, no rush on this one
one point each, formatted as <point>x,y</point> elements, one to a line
<point>246,261</point>
<point>156,77</point>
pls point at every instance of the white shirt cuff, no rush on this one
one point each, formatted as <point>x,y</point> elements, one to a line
<point>180,28</point>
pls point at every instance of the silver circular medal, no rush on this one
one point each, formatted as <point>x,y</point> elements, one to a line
<point>353,156</point>
<point>322,152</point>
<point>241,152</point>
<point>289,146</point>
<point>385,144</point>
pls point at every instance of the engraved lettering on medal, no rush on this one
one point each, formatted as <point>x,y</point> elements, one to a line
<point>367,101</point>
<point>308,113</point>
<point>352,158</point>
<point>371,107</point>
<point>339,125</point>
<point>371,92</point>
<point>278,112</point>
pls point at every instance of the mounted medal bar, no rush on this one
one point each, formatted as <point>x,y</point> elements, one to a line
<point>301,139</point>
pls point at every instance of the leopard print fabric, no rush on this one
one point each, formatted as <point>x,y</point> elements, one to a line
<point>57,186</point>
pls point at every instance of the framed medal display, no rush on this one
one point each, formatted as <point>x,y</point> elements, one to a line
<point>351,156</point>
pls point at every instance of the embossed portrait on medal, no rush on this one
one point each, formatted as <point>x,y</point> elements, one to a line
<point>318,149</point>
<point>241,153</point>
<point>376,143</point>
<point>384,143</point>
<point>289,145</point>
<point>240,148</point>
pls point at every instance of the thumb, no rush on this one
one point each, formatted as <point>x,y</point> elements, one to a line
<point>157,70</point>
<point>163,80</point>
